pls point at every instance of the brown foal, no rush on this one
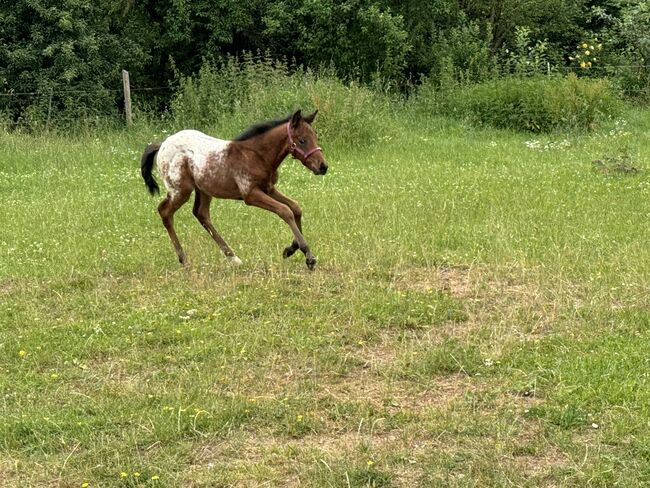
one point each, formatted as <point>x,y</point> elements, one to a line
<point>245,168</point>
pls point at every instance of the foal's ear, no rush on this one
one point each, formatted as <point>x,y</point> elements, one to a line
<point>295,119</point>
<point>310,118</point>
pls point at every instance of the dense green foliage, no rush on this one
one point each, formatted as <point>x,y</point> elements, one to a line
<point>64,58</point>
<point>73,51</point>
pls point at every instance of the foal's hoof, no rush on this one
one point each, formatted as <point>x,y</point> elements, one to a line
<point>289,251</point>
<point>311,263</point>
<point>234,260</point>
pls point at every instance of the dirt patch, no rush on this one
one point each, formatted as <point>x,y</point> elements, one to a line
<point>475,283</point>
<point>7,287</point>
<point>9,473</point>
<point>455,280</point>
<point>403,453</point>
<point>246,456</point>
<point>395,396</point>
<point>542,464</point>
<point>511,301</point>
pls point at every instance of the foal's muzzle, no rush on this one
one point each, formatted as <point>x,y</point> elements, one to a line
<point>322,169</point>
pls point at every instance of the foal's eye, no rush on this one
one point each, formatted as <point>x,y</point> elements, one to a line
<point>301,141</point>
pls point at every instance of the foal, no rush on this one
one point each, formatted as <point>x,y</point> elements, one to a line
<point>245,168</point>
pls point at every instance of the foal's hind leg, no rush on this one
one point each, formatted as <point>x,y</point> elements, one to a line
<point>202,213</point>
<point>166,209</point>
<point>297,215</point>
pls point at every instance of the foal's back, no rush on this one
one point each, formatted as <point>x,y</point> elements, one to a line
<point>190,159</point>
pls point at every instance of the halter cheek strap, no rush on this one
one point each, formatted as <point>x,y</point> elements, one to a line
<point>295,151</point>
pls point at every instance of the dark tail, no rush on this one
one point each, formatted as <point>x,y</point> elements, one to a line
<point>146,165</point>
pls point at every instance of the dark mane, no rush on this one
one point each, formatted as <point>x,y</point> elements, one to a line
<point>260,128</point>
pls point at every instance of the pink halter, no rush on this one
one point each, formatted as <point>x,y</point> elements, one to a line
<point>295,151</point>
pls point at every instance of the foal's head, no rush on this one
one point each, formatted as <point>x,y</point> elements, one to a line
<point>303,143</point>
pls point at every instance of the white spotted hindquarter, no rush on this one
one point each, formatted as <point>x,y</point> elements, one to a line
<point>191,159</point>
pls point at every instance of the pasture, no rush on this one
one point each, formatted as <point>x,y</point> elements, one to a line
<point>479,316</point>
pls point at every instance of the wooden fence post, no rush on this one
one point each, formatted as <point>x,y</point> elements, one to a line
<point>49,112</point>
<point>127,97</point>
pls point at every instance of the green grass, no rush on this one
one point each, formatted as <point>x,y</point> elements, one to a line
<point>479,316</point>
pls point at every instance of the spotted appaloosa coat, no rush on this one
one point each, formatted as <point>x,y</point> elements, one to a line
<point>203,158</point>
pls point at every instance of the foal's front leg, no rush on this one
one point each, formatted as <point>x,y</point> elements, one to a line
<point>297,214</point>
<point>258,198</point>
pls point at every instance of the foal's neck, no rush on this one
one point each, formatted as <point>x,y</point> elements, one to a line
<point>271,147</point>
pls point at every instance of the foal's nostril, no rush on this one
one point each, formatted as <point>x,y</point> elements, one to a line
<point>323,169</point>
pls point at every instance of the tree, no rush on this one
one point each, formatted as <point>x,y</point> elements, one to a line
<point>66,56</point>
<point>625,34</point>
<point>359,38</point>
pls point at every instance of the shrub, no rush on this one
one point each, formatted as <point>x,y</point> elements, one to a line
<point>536,104</point>
<point>462,55</point>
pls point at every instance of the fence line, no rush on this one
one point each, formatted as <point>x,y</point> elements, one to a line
<point>81,92</point>
<point>168,88</point>
<point>605,66</point>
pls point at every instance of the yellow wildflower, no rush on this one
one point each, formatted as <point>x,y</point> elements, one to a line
<point>585,45</point>
<point>370,462</point>
<point>136,475</point>
<point>155,477</point>
<point>85,484</point>
<point>583,64</point>
<point>22,353</point>
<point>587,52</point>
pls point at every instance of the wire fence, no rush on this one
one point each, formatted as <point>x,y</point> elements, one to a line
<point>82,92</point>
<point>85,118</point>
<point>609,71</point>
<point>73,91</point>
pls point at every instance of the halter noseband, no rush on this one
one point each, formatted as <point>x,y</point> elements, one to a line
<point>295,151</point>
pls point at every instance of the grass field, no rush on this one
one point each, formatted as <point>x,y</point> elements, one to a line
<point>480,316</point>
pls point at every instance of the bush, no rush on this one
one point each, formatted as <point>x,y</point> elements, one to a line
<point>462,55</point>
<point>626,47</point>
<point>225,98</point>
<point>536,104</point>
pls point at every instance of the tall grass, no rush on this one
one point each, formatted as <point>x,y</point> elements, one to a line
<point>227,96</point>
